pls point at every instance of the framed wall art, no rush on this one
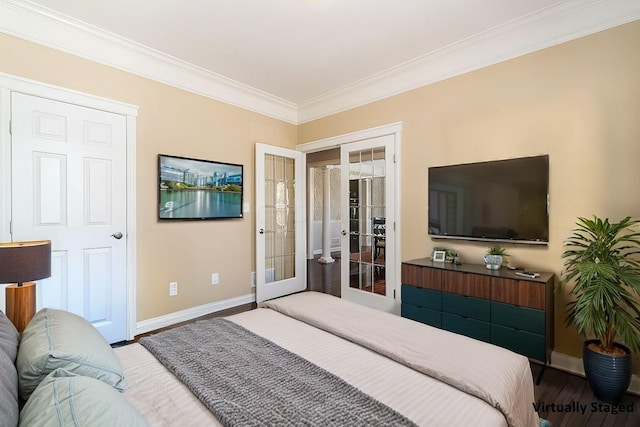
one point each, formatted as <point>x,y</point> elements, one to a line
<point>196,189</point>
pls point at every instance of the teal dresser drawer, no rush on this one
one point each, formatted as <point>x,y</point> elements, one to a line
<point>421,314</point>
<point>466,326</point>
<point>466,306</point>
<point>523,342</point>
<point>498,307</point>
<point>524,318</point>
<point>421,297</point>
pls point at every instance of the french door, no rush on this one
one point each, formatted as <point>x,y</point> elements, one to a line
<point>281,267</point>
<point>368,222</point>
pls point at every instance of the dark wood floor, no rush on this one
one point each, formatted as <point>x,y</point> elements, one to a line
<point>564,399</point>
<point>222,313</point>
<point>324,277</point>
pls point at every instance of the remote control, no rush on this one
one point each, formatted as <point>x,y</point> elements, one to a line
<point>528,274</point>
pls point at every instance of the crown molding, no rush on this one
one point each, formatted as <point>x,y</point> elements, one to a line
<point>553,25</point>
<point>44,26</point>
<point>564,21</point>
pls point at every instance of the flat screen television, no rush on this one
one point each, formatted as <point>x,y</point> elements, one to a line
<point>196,189</point>
<point>503,200</point>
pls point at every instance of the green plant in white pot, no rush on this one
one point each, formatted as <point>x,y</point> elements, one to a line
<point>495,257</point>
<point>602,265</point>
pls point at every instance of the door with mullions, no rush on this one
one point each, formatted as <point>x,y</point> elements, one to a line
<point>367,249</point>
<point>280,222</point>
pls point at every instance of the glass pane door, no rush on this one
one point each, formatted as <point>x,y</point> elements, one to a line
<point>280,221</point>
<point>367,220</point>
<point>368,245</point>
<point>279,227</point>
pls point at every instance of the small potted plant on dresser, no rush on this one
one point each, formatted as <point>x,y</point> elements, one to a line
<point>495,257</point>
<point>602,265</point>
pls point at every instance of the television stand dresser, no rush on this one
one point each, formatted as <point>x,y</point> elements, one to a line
<point>496,306</point>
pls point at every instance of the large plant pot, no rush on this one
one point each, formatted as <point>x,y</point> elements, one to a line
<point>608,375</point>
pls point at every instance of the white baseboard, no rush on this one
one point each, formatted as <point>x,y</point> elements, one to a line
<point>149,325</point>
<point>574,365</point>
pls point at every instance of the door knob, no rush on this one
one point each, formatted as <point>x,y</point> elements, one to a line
<point>344,232</point>
<point>261,231</point>
<point>117,235</point>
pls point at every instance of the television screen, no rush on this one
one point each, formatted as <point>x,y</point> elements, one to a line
<point>190,189</point>
<point>504,200</point>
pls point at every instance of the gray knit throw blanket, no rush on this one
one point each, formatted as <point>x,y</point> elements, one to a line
<point>247,380</point>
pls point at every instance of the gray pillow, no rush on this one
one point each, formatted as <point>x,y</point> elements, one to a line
<point>59,339</point>
<point>63,399</point>
<point>8,392</point>
<point>9,338</point>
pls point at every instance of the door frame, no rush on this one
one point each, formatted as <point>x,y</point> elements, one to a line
<point>394,129</point>
<point>10,83</point>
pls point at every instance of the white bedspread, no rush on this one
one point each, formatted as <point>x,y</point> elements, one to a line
<point>165,401</point>
<point>498,376</point>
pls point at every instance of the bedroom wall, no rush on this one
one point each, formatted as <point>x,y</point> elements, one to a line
<point>579,102</point>
<point>170,121</point>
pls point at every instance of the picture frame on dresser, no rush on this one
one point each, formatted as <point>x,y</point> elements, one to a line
<point>439,256</point>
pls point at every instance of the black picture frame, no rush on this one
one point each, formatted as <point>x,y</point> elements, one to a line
<point>198,189</point>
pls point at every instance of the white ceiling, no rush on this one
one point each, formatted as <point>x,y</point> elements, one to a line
<point>319,56</point>
<point>295,49</point>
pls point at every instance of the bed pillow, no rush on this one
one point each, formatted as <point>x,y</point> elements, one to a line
<point>64,399</point>
<point>59,339</point>
<point>9,338</point>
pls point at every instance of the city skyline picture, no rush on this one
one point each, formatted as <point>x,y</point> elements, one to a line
<point>191,189</point>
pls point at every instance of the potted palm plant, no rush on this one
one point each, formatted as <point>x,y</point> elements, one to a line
<point>602,264</point>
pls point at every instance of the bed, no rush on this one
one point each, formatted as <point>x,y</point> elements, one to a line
<point>426,375</point>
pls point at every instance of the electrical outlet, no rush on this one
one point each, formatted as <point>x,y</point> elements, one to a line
<point>173,289</point>
<point>253,279</point>
<point>215,279</point>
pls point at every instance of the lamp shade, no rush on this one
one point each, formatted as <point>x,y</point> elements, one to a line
<point>25,261</point>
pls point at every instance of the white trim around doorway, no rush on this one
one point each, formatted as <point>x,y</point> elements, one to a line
<point>394,129</point>
<point>10,83</point>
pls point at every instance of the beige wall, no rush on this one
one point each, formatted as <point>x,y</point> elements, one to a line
<point>578,102</point>
<point>176,122</point>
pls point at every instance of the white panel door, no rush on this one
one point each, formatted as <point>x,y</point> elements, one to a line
<point>69,186</point>
<point>368,223</point>
<point>281,267</point>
